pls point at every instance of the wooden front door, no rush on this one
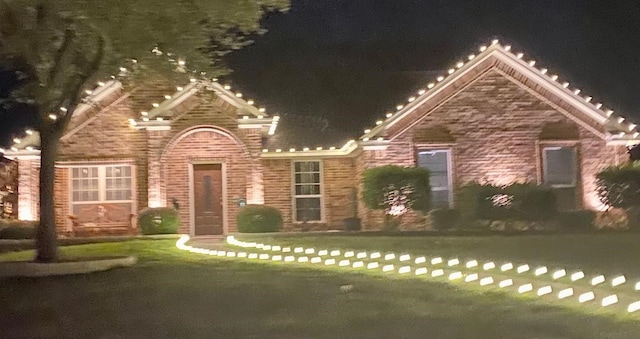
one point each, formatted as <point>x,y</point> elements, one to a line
<point>207,189</point>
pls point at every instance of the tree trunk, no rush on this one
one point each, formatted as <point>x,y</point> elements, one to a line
<point>46,238</point>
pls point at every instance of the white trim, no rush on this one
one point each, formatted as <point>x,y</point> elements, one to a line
<point>532,73</point>
<point>294,217</point>
<point>192,199</point>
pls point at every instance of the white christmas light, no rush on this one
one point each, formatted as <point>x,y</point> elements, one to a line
<point>633,307</point>
<point>437,273</point>
<point>523,268</point>
<point>343,263</point>
<point>453,262</point>
<point>567,292</point>
<point>358,264</point>
<point>471,263</point>
<point>506,267</point>
<point>335,253</point>
<point>421,260</point>
<point>404,269</point>
<point>421,271</point>
<point>436,261</point>
<point>488,266</point>
<point>389,256</point>
<point>405,257</point>
<point>330,262</point>
<point>387,268</point>
<point>372,265</point>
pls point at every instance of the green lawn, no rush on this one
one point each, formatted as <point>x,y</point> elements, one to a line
<point>609,254</point>
<point>174,294</point>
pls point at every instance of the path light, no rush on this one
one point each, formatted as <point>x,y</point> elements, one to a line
<point>544,290</point>
<point>372,265</point>
<point>405,257</point>
<point>455,275</point>
<point>525,288</point>
<point>330,262</point>
<point>323,252</point>
<point>387,268</point>
<point>421,271</point>
<point>486,281</point>
<point>303,259</point>
<point>619,280</point>
<point>471,277</point>
<point>610,300</point>
<point>597,280</point>
<point>488,266</point>
<point>349,254</point>
<point>361,255</point>
<point>375,255</point>
<point>577,276</point>
<point>559,274</point>
<point>437,273</point>
<point>298,250</point>
<point>540,271</point>
<point>358,264</point>
<point>343,263</point>
<point>335,253</point>
<point>404,269</point>
<point>316,260</point>
<point>253,256</point>
<point>421,260</point>
<point>567,292</point>
<point>263,256</point>
<point>584,297</point>
<point>633,307</point>
<point>289,258</point>
<point>389,256</point>
<point>472,263</point>
<point>453,262</point>
<point>276,258</point>
<point>522,268</point>
<point>506,267</point>
<point>276,248</point>
<point>436,261</point>
<point>505,283</point>
<point>286,250</point>
<point>309,251</point>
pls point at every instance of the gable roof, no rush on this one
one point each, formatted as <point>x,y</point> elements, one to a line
<point>581,107</point>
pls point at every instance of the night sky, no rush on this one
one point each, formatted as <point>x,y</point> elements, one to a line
<point>349,62</point>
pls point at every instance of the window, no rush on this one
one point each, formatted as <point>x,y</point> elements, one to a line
<point>439,165</point>
<point>307,196</point>
<point>102,194</point>
<point>559,167</point>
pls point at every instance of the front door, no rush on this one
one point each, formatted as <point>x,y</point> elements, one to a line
<point>207,189</point>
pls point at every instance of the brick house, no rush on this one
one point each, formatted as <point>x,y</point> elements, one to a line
<point>493,117</point>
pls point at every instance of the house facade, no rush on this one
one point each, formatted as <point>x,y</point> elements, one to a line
<point>493,117</point>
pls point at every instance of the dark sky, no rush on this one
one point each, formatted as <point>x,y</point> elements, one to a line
<point>351,61</point>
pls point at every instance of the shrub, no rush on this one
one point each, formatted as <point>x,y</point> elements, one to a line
<point>161,220</point>
<point>396,189</point>
<point>444,218</point>
<point>17,232</point>
<point>576,220</point>
<point>259,219</point>
<point>513,202</point>
<point>619,186</point>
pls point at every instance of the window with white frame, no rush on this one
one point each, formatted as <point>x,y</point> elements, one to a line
<point>559,165</point>
<point>307,191</point>
<point>438,162</point>
<point>102,194</point>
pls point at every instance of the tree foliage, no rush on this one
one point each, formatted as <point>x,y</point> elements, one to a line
<point>619,186</point>
<point>60,49</point>
<point>396,189</point>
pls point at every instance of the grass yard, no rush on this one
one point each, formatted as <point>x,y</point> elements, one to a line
<point>174,294</point>
<point>610,254</point>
